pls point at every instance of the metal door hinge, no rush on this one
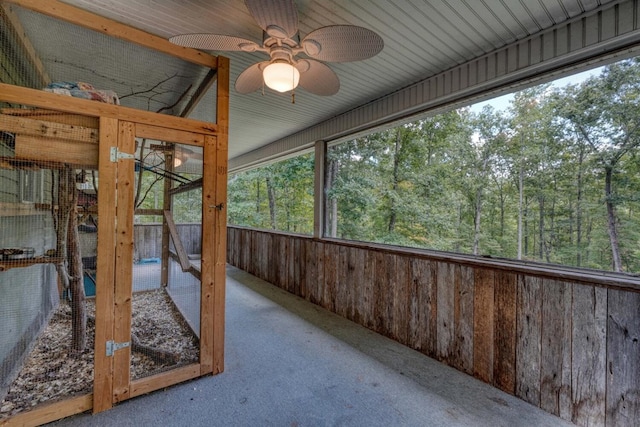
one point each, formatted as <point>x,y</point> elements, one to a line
<point>115,155</point>
<point>112,346</point>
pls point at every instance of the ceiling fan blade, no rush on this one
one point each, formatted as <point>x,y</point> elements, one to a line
<point>317,78</point>
<point>250,79</point>
<point>214,42</point>
<point>278,18</point>
<point>342,43</point>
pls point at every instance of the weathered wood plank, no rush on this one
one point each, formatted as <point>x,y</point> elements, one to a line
<point>367,295</point>
<point>281,260</point>
<point>379,287</point>
<point>445,311</point>
<point>401,301</point>
<point>463,318</point>
<point>298,271</point>
<point>248,249</point>
<point>311,271</point>
<point>342,282</point>
<point>623,357</point>
<point>483,321</point>
<point>232,247</point>
<point>388,281</point>
<point>352,281</point>
<point>529,339</point>
<point>588,358</point>
<point>425,275</point>
<point>504,362</point>
<point>319,249</point>
<point>331,259</point>
<point>416,318</point>
<point>360,284</point>
<point>265,256</point>
<point>555,356</point>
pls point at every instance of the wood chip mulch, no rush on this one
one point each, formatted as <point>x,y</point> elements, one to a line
<point>50,373</point>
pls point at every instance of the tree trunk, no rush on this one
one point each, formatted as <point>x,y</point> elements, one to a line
<point>502,204</point>
<point>271,194</point>
<point>258,201</point>
<point>76,287</point>
<point>541,227</point>
<point>68,247</point>
<point>476,221</point>
<point>330,203</point>
<point>611,219</point>
<point>579,209</point>
<point>334,217</point>
<point>394,185</point>
<point>520,208</point>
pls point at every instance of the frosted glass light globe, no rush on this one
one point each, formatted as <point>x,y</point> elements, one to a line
<point>280,76</point>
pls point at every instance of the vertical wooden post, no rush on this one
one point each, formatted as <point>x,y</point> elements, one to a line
<point>105,283</point>
<point>167,202</point>
<point>207,271</point>
<point>124,262</point>
<point>214,232</point>
<point>222,156</point>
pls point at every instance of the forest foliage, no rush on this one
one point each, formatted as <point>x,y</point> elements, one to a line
<point>553,178</point>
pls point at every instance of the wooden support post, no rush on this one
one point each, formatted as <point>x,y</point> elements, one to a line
<point>214,237</point>
<point>167,203</point>
<point>105,277</point>
<point>124,261</point>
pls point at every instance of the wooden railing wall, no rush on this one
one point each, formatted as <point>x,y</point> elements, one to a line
<point>569,346</point>
<point>147,239</point>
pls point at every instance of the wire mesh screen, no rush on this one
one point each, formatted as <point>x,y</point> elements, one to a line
<point>49,188</point>
<point>47,256</point>
<point>166,289</point>
<point>39,52</point>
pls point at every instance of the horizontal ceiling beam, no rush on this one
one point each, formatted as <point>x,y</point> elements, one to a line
<point>606,34</point>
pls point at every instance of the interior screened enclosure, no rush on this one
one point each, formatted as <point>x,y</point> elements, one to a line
<point>110,285</point>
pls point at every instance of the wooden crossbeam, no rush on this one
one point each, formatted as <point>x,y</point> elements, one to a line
<point>183,257</point>
<point>83,18</point>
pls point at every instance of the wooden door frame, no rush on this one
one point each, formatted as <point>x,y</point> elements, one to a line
<point>115,254</point>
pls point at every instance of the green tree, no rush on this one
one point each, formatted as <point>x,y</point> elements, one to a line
<point>604,113</point>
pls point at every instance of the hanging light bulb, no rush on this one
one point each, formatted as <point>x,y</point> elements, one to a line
<point>281,76</point>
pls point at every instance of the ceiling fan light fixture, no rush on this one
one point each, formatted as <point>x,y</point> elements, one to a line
<point>281,76</point>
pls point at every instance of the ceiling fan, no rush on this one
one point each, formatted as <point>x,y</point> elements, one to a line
<point>284,71</point>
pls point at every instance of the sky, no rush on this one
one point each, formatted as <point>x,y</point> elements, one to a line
<point>502,102</point>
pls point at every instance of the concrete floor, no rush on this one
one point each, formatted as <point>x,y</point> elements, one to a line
<point>290,363</point>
